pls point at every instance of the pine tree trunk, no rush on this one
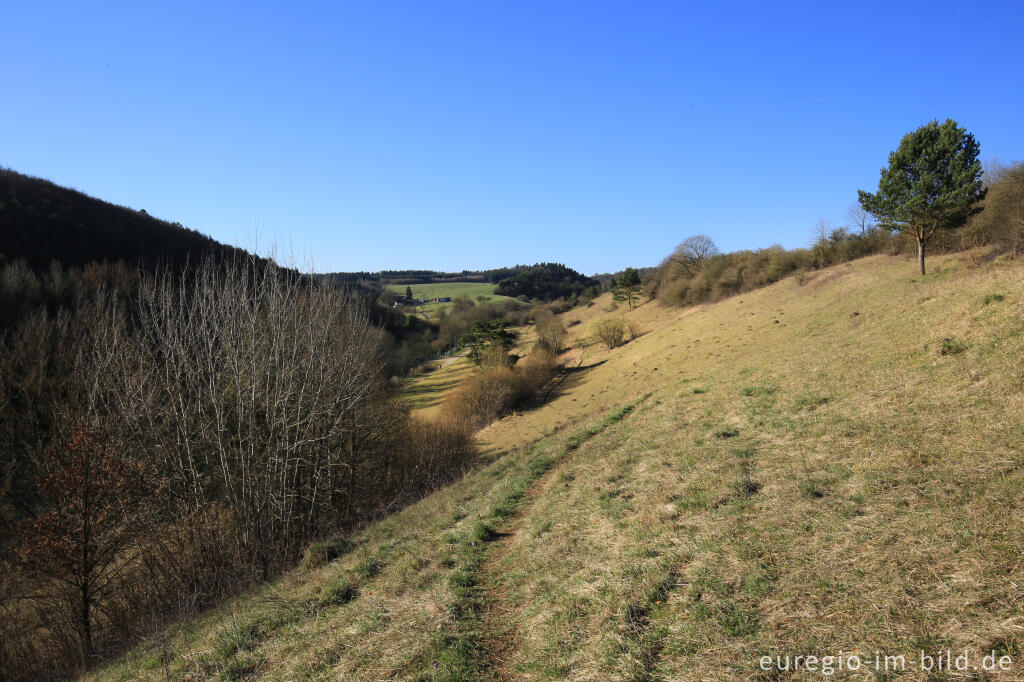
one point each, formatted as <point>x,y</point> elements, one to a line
<point>920,256</point>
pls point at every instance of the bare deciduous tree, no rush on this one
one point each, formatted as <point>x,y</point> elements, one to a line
<point>257,376</point>
<point>858,220</point>
<point>693,253</point>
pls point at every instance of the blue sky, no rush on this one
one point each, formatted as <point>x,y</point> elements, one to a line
<point>452,135</point>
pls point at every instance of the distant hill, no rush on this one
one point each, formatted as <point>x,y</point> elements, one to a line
<point>405,277</point>
<point>546,281</point>
<point>41,222</point>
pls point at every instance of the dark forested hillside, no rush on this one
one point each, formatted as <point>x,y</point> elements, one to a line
<point>492,276</point>
<point>41,222</point>
<point>546,281</point>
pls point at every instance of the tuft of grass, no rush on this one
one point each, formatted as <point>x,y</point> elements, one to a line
<point>814,487</point>
<point>483,531</point>
<point>952,346</point>
<point>321,553</point>
<point>810,402</point>
<point>338,592</point>
<point>240,638</point>
<point>751,391</point>
<point>369,568</point>
<point>992,298</point>
<point>746,486</point>
<point>735,620</point>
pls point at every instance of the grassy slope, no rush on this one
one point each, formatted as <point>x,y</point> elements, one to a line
<point>426,391</point>
<point>802,471</point>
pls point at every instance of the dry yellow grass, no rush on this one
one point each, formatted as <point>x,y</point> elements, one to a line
<point>828,464</point>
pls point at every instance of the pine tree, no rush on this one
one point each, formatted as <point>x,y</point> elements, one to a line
<point>933,182</point>
<point>627,287</point>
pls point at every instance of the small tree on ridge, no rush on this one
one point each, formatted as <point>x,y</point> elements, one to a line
<point>933,182</point>
<point>627,288</point>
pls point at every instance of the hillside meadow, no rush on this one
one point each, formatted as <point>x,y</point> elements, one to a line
<point>829,464</point>
<point>470,290</point>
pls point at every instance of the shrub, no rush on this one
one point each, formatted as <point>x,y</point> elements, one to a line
<point>550,333</point>
<point>1001,223</point>
<point>493,393</point>
<point>611,331</point>
<point>483,397</point>
<point>683,279</point>
<point>496,355</point>
<point>535,371</point>
<point>436,451</point>
<point>558,306</point>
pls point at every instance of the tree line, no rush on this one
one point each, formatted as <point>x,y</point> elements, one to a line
<point>934,195</point>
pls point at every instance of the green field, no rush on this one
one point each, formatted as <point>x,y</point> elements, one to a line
<point>470,290</point>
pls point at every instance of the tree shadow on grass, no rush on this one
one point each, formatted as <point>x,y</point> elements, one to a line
<point>567,379</point>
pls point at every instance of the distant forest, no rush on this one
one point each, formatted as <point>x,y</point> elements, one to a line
<point>545,281</point>
<point>424,276</point>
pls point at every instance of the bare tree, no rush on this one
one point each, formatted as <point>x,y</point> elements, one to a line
<point>693,253</point>
<point>993,170</point>
<point>254,383</point>
<point>857,219</point>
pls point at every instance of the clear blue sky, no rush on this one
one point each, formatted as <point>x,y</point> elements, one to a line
<point>451,135</point>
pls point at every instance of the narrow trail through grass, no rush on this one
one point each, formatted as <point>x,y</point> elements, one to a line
<point>478,644</point>
<point>501,637</point>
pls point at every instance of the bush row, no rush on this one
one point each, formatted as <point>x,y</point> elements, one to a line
<point>493,392</point>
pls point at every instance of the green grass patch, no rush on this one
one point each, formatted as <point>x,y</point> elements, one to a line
<point>952,346</point>
<point>338,592</point>
<point>752,391</point>
<point>810,402</point>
